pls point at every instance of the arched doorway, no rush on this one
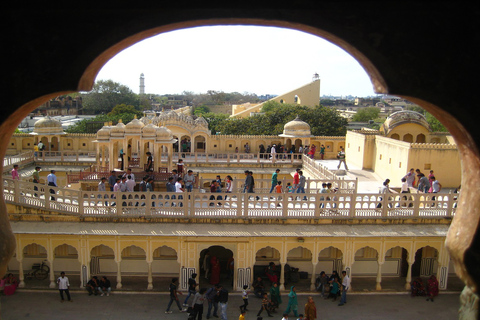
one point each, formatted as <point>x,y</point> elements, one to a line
<point>425,262</point>
<point>165,266</point>
<point>220,264</point>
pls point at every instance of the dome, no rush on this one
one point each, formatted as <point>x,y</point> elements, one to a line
<point>118,130</point>
<point>200,121</point>
<point>296,128</point>
<point>134,126</point>
<point>403,117</point>
<point>48,126</point>
<point>103,133</point>
<point>163,133</point>
<point>149,130</point>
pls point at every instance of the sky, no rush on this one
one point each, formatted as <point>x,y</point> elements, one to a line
<point>244,59</point>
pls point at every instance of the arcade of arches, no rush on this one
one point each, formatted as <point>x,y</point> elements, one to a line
<point>151,259</point>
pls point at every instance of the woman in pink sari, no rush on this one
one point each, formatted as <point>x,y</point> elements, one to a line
<point>215,270</point>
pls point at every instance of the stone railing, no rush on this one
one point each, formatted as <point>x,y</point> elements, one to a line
<point>230,205</point>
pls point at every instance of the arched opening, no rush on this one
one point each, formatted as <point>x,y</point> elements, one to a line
<point>65,258</point>
<point>165,266</point>
<point>394,270</point>
<point>217,265</point>
<point>299,268</point>
<point>365,268</point>
<point>464,138</point>
<point>330,259</point>
<point>102,260</point>
<point>267,260</point>
<point>425,262</point>
<point>134,268</point>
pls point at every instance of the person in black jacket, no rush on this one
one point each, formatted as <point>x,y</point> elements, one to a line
<point>222,301</point>
<point>104,286</point>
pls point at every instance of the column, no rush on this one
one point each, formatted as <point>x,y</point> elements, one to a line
<point>312,282</point>
<point>408,279</point>
<point>379,276</point>
<point>119,274</point>
<point>282,275</point>
<point>21,276</point>
<point>52,274</point>
<point>150,278</point>
<point>170,157</point>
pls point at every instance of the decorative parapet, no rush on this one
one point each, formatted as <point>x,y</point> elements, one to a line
<point>438,146</point>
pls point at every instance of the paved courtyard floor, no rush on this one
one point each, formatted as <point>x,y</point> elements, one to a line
<point>42,305</point>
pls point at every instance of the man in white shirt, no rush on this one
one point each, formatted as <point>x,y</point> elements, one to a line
<point>130,183</point>
<point>129,173</point>
<point>179,188</point>
<point>63,286</point>
<point>345,287</point>
<point>52,181</point>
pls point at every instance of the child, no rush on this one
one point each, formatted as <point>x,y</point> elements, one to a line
<point>285,316</point>
<point>300,317</point>
<point>278,187</point>
<point>242,315</point>
<point>289,187</point>
<point>243,307</point>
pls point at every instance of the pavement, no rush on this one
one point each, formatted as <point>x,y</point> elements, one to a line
<point>42,305</point>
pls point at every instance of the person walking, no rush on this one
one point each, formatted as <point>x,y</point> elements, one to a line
<point>197,304</point>
<point>15,175</point>
<point>52,181</point>
<point>310,309</point>
<point>192,288</point>
<point>341,159</point>
<point>274,179</point>
<point>345,287</point>
<point>174,296</point>
<point>265,305</point>
<point>301,183</point>
<point>245,292</point>
<point>292,302</point>
<point>212,299</point>
<point>64,286</point>
<point>322,152</point>
<point>223,301</point>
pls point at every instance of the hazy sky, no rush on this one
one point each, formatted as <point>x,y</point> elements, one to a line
<point>260,60</point>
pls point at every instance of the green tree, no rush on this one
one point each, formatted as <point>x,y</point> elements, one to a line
<point>122,108</point>
<point>366,114</point>
<point>203,109</point>
<point>105,95</point>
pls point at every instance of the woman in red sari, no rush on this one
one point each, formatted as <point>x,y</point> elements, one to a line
<point>432,288</point>
<point>272,273</point>
<point>215,270</point>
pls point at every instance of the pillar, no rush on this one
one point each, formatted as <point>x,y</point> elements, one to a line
<point>150,278</point>
<point>312,282</point>
<point>282,275</point>
<point>379,276</point>
<point>408,278</point>
<point>52,274</point>
<point>119,274</point>
<point>21,276</point>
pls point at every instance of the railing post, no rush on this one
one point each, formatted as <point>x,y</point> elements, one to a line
<point>119,205</point>
<point>450,204</point>
<point>353,204</point>
<point>245,204</point>
<point>416,205</point>
<point>148,203</point>
<point>16,188</point>
<point>385,203</point>
<point>80,203</point>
